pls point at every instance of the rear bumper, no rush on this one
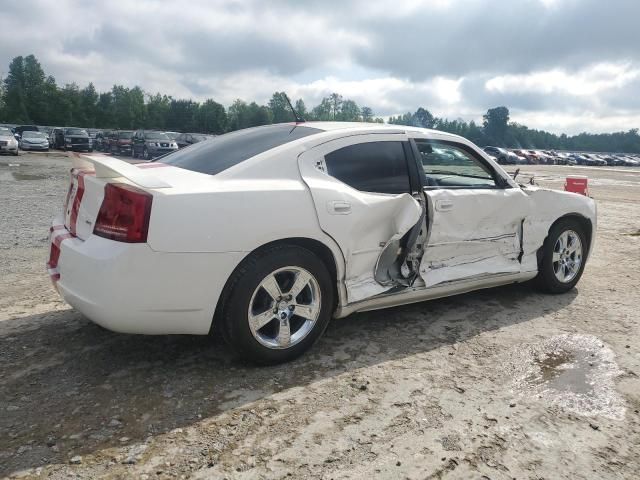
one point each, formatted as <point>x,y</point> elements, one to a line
<point>131,288</point>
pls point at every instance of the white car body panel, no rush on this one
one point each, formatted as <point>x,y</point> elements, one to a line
<point>472,233</point>
<point>361,223</point>
<point>202,226</point>
<point>130,288</point>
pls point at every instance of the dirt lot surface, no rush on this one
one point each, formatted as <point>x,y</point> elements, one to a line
<point>502,383</point>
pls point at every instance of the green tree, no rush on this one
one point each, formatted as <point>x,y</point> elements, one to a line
<point>182,115</point>
<point>367,114</point>
<point>301,108</point>
<point>89,105</point>
<point>349,112</point>
<point>335,102</point>
<point>280,110</point>
<point>211,118</point>
<point>14,94</point>
<point>495,123</point>
<point>104,111</point>
<point>70,105</point>
<point>157,111</point>
<point>323,111</point>
<point>423,118</point>
<point>34,89</point>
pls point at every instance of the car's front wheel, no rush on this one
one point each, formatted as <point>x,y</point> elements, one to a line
<point>563,257</point>
<point>277,304</point>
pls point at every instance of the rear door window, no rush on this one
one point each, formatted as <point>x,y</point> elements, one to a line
<point>378,167</point>
<point>227,150</point>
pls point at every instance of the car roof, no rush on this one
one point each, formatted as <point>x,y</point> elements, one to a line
<point>364,127</point>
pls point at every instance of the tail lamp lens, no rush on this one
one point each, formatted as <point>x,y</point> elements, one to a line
<point>124,214</point>
<point>54,256</point>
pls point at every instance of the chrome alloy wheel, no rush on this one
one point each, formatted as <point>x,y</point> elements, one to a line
<point>567,256</point>
<point>284,307</point>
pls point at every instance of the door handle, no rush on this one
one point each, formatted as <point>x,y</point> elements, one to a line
<point>339,207</point>
<point>444,205</point>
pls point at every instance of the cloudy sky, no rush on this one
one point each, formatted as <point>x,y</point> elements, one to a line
<point>560,65</point>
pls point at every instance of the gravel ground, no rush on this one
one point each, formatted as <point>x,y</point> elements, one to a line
<point>501,383</point>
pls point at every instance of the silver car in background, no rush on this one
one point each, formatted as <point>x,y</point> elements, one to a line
<point>34,141</point>
<point>8,143</point>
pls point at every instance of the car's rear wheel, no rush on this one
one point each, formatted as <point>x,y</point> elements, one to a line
<point>277,304</point>
<point>563,257</point>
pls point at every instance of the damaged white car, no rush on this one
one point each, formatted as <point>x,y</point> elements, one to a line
<point>267,233</point>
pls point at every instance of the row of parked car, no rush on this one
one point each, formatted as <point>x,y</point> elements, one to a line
<point>145,144</point>
<point>148,144</point>
<point>551,157</point>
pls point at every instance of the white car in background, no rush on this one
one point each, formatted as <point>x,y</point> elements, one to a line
<point>8,143</point>
<point>268,232</point>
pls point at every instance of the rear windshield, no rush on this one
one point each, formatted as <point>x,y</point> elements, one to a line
<point>216,154</point>
<point>125,134</point>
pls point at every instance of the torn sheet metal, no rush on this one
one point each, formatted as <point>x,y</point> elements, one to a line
<point>361,223</point>
<point>473,232</point>
<point>401,212</point>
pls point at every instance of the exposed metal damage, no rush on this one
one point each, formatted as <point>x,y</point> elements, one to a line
<point>435,238</point>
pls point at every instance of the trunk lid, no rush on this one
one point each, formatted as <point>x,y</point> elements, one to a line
<point>90,174</point>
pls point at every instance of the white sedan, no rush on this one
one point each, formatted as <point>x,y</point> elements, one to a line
<point>269,232</point>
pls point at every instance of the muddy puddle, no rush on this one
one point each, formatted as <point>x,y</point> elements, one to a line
<point>564,371</point>
<point>21,177</point>
<point>574,372</point>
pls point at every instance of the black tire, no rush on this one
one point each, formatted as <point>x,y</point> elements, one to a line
<point>546,279</point>
<point>233,318</point>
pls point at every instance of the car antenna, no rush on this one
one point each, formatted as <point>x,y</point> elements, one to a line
<point>298,118</point>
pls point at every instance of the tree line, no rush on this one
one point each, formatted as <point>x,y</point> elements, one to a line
<point>29,96</point>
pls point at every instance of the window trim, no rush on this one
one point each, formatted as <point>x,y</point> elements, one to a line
<point>499,180</point>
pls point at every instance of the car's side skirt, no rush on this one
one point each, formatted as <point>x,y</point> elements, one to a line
<point>413,295</point>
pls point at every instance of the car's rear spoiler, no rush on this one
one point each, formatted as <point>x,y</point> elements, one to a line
<point>109,167</point>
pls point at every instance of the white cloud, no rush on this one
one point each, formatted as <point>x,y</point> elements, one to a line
<point>562,65</point>
<point>585,82</point>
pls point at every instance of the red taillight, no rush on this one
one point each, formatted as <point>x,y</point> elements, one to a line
<point>124,214</point>
<point>54,256</point>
